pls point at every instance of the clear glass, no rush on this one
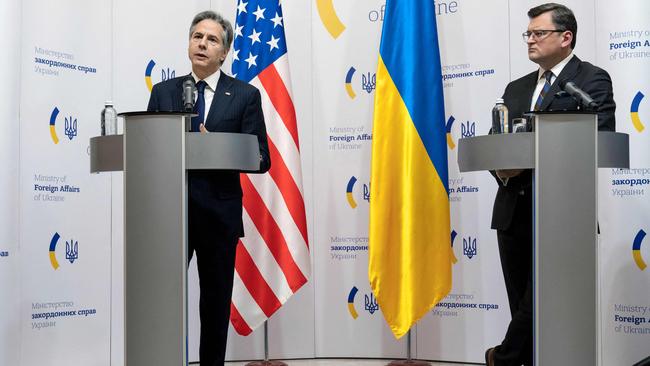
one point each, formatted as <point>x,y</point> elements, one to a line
<point>500,118</point>
<point>519,125</point>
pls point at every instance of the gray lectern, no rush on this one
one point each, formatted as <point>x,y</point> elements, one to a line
<point>155,153</point>
<point>565,150</point>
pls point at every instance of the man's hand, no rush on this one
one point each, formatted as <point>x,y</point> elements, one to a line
<point>203,129</point>
<point>508,173</point>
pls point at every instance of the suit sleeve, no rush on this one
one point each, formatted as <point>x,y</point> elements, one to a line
<point>253,123</point>
<point>153,105</point>
<point>523,180</point>
<point>599,87</point>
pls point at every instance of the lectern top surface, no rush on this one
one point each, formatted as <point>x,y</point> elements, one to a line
<point>559,112</point>
<point>156,113</point>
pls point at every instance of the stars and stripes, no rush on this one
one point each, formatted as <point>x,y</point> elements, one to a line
<point>273,258</point>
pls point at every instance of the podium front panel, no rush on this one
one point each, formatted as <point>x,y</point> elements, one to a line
<point>155,240</point>
<point>565,244</point>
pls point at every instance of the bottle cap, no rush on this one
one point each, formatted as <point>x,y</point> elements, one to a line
<point>108,102</point>
<point>500,101</point>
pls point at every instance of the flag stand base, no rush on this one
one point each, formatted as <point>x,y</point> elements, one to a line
<point>409,363</point>
<point>266,363</point>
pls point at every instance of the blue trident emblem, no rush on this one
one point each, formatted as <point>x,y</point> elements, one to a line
<point>70,127</point>
<point>366,192</point>
<point>167,74</point>
<point>468,130</point>
<point>371,303</point>
<point>368,82</point>
<point>469,247</point>
<point>72,250</point>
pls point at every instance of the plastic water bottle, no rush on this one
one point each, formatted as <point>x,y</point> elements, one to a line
<point>109,119</point>
<point>500,120</point>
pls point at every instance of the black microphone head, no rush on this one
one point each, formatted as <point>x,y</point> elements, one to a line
<point>188,93</point>
<point>562,83</point>
<point>582,97</point>
<point>188,83</point>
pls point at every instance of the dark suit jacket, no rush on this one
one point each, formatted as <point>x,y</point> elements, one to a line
<point>236,107</point>
<point>518,95</point>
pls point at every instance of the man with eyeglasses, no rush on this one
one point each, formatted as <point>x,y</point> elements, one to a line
<point>223,104</point>
<point>551,38</point>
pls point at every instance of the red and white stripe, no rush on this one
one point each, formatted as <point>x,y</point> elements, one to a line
<point>272,260</point>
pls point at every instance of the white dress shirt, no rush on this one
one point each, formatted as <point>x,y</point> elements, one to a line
<point>555,71</point>
<point>208,94</point>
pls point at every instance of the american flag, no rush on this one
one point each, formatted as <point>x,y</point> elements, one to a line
<point>272,260</point>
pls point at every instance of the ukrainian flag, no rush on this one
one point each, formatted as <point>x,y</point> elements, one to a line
<point>410,250</point>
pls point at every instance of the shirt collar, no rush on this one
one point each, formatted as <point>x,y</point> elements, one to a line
<point>211,80</point>
<point>557,69</point>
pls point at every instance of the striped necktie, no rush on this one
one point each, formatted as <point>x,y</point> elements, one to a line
<point>199,106</point>
<point>547,86</point>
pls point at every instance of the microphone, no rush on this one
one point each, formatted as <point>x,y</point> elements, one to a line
<point>188,94</point>
<point>580,95</point>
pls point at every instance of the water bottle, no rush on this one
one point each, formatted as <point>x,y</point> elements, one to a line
<point>109,119</point>
<point>500,120</point>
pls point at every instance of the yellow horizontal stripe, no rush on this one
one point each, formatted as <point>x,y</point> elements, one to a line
<point>410,245</point>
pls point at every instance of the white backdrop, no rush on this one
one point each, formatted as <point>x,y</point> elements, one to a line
<point>9,254</point>
<point>333,57</point>
<point>64,222</point>
<point>622,46</point>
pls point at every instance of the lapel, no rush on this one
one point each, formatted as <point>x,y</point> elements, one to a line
<point>528,92</point>
<point>177,97</point>
<point>220,101</point>
<point>568,72</point>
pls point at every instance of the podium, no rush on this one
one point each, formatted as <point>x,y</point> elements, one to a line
<point>565,150</point>
<point>155,152</point>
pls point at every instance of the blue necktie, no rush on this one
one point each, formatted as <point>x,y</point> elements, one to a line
<point>547,85</point>
<point>199,106</point>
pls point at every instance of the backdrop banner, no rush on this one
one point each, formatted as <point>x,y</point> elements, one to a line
<point>64,216</point>
<point>61,228</point>
<point>623,49</point>
<point>9,134</point>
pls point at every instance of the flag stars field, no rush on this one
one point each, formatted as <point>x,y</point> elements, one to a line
<point>251,60</point>
<point>241,7</point>
<point>259,13</point>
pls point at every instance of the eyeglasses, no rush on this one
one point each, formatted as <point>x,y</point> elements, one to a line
<point>197,37</point>
<point>540,34</point>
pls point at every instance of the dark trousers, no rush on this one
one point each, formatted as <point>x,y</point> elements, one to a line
<point>515,251</point>
<point>215,257</point>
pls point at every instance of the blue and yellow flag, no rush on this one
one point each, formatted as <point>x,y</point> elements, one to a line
<point>410,247</point>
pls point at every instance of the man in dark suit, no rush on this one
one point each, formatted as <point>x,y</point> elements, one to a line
<point>551,37</point>
<point>215,223</point>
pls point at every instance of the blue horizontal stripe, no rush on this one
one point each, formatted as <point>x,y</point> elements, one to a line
<point>410,51</point>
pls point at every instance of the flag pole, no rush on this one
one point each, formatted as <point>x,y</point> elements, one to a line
<point>408,360</point>
<point>266,361</point>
